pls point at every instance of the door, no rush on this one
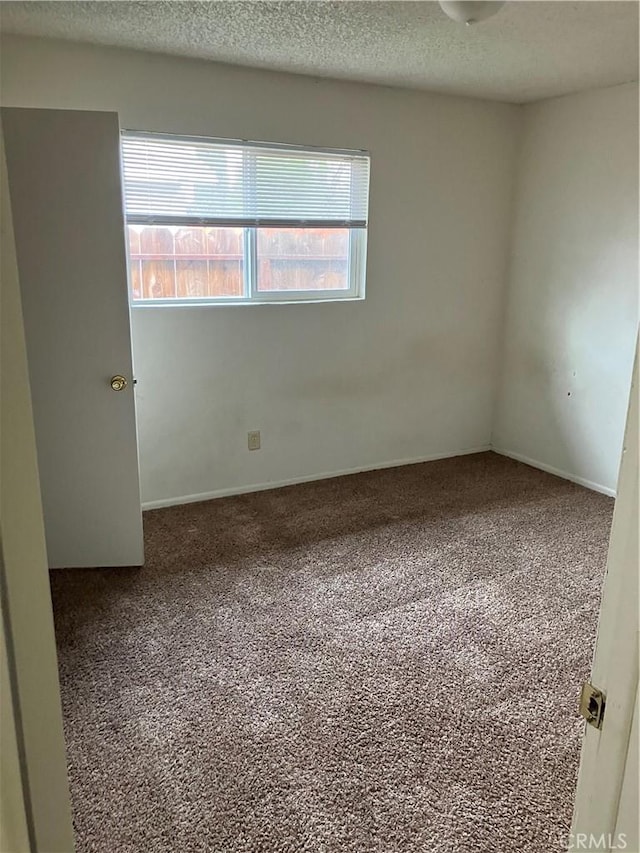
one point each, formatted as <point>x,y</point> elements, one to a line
<point>606,808</point>
<point>66,200</point>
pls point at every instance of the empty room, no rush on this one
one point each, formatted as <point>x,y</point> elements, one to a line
<point>319,436</point>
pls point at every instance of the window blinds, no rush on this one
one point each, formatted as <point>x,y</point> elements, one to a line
<point>197,181</point>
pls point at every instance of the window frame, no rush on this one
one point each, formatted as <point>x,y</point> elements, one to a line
<point>356,256</point>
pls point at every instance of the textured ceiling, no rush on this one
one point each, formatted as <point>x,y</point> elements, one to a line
<point>529,50</point>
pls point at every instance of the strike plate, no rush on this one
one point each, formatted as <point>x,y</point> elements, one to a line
<point>592,704</point>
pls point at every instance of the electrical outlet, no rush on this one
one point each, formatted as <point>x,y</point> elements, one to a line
<point>253,440</point>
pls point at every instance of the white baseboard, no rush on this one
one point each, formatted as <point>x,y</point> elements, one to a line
<point>307,478</point>
<point>581,481</point>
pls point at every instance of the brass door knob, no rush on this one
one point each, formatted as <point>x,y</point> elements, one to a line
<point>118,383</point>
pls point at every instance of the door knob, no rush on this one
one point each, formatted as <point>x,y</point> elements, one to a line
<point>118,383</point>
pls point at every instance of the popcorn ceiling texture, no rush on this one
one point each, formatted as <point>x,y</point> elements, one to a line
<point>383,662</point>
<point>530,50</point>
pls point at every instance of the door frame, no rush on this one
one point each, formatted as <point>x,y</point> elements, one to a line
<point>38,797</point>
<point>606,766</point>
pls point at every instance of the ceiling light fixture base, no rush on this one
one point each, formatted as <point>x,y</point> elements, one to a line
<point>470,11</point>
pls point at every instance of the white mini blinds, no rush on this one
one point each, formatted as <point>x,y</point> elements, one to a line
<point>197,181</point>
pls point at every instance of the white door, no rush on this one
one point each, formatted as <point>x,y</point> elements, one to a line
<point>606,808</point>
<point>66,199</point>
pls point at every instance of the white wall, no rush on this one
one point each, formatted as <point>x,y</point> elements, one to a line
<point>572,305</point>
<point>409,373</point>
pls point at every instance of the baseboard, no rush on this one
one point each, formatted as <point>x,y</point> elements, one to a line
<point>581,481</point>
<point>308,478</point>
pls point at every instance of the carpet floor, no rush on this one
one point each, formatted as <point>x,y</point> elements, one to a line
<point>383,662</point>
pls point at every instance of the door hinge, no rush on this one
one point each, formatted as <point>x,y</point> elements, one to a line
<point>592,704</point>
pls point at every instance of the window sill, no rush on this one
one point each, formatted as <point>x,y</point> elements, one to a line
<point>176,303</point>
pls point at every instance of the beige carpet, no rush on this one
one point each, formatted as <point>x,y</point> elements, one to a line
<point>383,662</point>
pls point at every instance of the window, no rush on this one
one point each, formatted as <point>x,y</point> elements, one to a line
<point>220,221</point>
